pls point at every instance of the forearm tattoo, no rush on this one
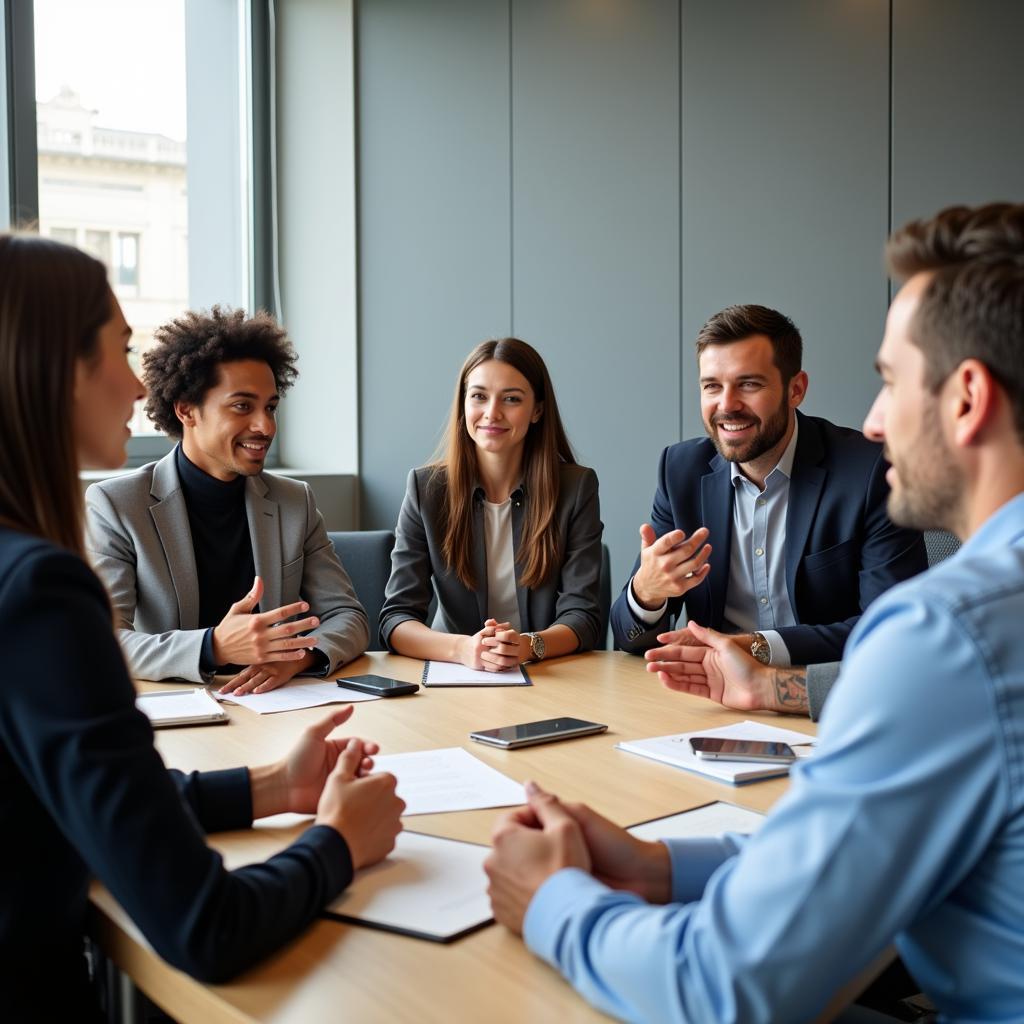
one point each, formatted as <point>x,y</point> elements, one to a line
<point>789,686</point>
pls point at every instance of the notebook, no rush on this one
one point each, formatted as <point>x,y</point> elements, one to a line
<point>675,750</point>
<point>180,707</point>
<point>447,673</point>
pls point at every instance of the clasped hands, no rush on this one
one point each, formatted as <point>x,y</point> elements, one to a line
<point>272,648</point>
<point>331,779</point>
<point>534,842</point>
<point>494,648</point>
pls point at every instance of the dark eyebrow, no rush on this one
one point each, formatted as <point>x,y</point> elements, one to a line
<point>253,395</point>
<point>759,377</point>
<point>504,391</point>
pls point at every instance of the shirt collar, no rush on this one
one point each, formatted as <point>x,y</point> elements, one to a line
<point>783,466</point>
<point>1002,528</point>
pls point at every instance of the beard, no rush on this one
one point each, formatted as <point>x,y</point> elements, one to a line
<point>769,434</point>
<point>929,484</point>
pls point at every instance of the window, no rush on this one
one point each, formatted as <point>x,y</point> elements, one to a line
<point>115,159</point>
<point>127,263</point>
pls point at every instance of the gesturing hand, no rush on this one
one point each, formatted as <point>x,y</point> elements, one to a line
<point>313,758</point>
<point>365,810</point>
<point>721,670</point>
<point>268,676</point>
<point>670,565</point>
<point>244,638</point>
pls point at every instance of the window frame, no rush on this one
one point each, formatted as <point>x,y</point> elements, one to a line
<point>19,160</point>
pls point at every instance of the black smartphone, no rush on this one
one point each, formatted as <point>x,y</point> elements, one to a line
<point>713,748</point>
<point>531,733</point>
<point>379,685</point>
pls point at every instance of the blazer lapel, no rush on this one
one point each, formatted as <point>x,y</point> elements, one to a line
<point>265,533</point>
<point>805,487</point>
<point>522,594</point>
<point>716,498</point>
<point>170,517</point>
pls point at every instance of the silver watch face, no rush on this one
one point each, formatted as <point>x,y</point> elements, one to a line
<point>537,646</point>
<point>761,649</point>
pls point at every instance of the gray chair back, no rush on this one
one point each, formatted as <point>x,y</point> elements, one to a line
<point>604,596</point>
<point>366,556</point>
<point>939,544</point>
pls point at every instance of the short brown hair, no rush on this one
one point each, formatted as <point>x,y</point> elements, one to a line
<point>973,304</point>
<point>183,365</point>
<point>735,323</point>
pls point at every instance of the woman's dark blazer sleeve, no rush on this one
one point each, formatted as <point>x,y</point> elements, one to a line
<point>577,599</point>
<point>409,590</point>
<point>92,783</point>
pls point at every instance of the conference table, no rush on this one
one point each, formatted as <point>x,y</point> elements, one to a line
<point>336,971</point>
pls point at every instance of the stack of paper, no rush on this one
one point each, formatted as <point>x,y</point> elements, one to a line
<point>295,696</point>
<point>435,781</point>
<point>675,750</point>
<point>180,707</point>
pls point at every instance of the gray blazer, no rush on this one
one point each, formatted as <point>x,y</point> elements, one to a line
<point>140,544</point>
<point>570,599</point>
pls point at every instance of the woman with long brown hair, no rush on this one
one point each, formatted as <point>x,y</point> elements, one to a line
<point>503,525</point>
<point>82,789</point>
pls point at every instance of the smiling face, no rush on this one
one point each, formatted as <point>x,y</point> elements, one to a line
<point>229,434</point>
<point>926,482</point>
<point>499,408</point>
<point>106,390</point>
<point>748,413</point>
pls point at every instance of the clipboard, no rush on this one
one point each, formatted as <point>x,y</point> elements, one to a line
<point>428,888</point>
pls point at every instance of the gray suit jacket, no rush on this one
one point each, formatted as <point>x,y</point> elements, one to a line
<point>141,547</point>
<point>570,598</point>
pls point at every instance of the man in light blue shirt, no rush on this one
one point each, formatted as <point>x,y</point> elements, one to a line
<point>908,824</point>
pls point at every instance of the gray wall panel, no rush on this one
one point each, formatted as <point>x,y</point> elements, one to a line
<point>958,86</point>
<point>595,234</point>
<point>434,221</point>
<point>785,181</point>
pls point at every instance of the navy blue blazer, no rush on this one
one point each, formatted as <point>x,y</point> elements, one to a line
<point>842,550</point>
<point>83,793</point>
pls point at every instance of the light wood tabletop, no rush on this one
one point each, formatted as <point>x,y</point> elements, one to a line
<point>338,971</point>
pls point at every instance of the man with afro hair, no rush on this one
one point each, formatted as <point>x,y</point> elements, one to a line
<point>212,564</point>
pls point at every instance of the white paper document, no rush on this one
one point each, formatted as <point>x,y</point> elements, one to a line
<point>295,696</point>
<point>675,750</point>
<point>447,673</point>
<point>709,820</point>
<point>180,707</point>
<point>428,887</point>
<point>435,781</point>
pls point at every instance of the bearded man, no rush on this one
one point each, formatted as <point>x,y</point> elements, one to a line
<point>774,527</point>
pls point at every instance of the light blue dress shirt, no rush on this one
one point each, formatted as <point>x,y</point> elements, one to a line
<point>757,598</point>
<point>908,824</point>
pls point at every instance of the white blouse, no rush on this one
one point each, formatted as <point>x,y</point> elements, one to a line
<point>501,568</point>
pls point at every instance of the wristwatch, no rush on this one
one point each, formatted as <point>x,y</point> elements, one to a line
<point>537,647</point>
<point>761,649</point>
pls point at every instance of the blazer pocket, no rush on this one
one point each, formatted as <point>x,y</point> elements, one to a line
<point>291,569</point>
<point>828,558</point>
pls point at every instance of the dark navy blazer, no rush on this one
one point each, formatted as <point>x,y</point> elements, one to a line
<point>83,793</point>
<point>842,550</point>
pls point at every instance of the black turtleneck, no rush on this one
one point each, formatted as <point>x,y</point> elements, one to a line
<point>220,540</point>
